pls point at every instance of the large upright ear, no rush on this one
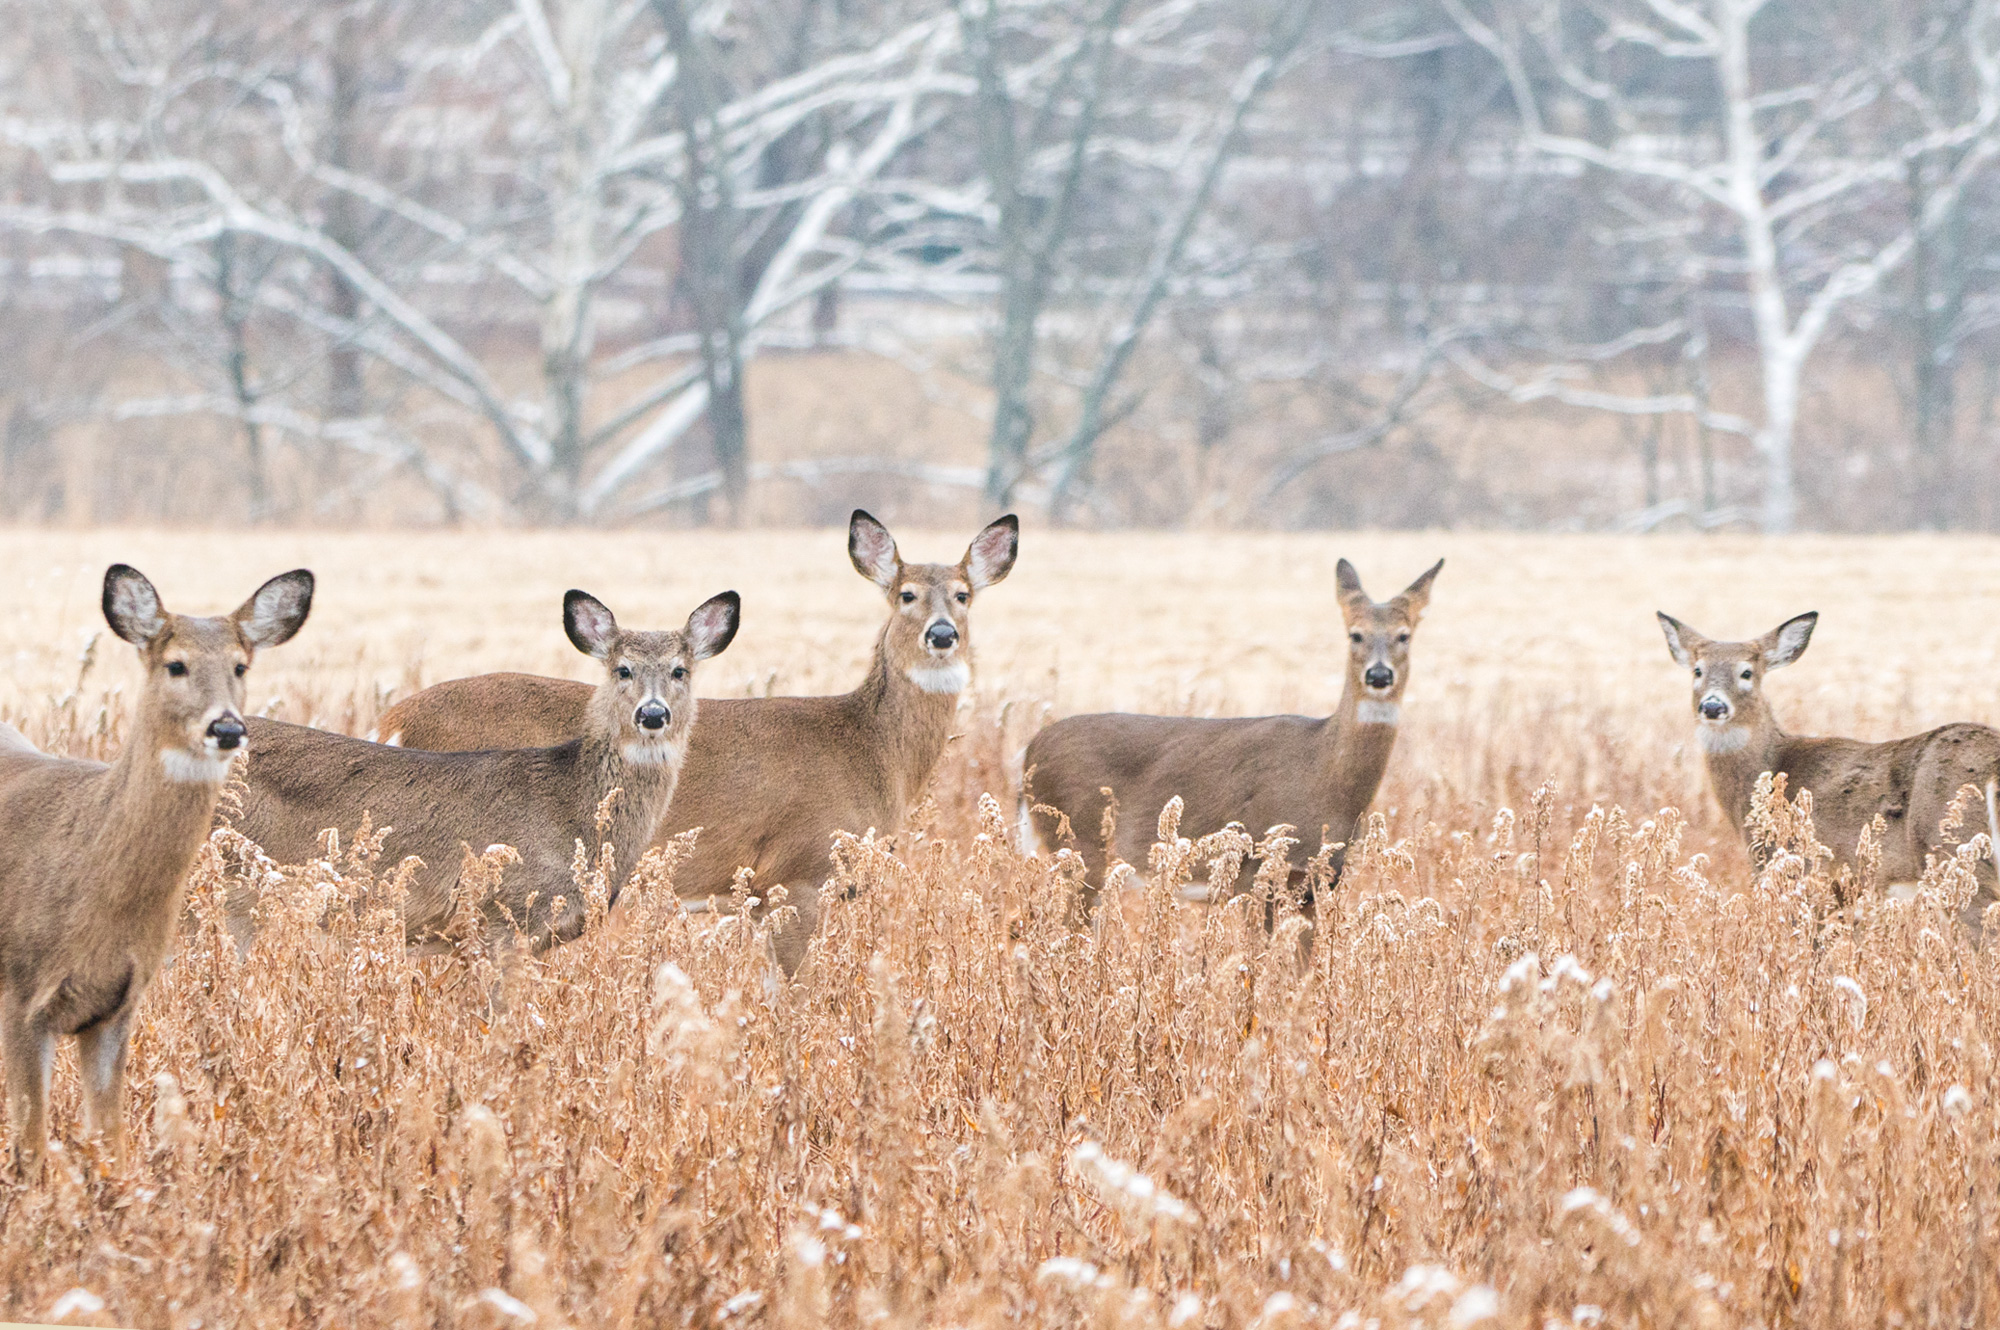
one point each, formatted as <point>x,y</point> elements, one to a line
<point>1684,642</point>
<point>712,626</point>
<point>131,606</point>
<point>1418,593</point>
<point>589,623</point>
<point>277,610</point>
<point>1787,642</point>
<point>990,556</point>
<point>873,550</point>
<point>1348,584</point>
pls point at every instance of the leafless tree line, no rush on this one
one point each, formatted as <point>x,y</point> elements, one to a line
<point>1230,261</point>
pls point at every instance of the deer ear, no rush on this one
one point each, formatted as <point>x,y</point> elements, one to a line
<point>712,626</point>
<point>1787,642</point>
<point>1347,584</point>
<point>277,610</point>
<point>990,556</point>
<point>589,623</point>
<point>1682,641</point>
<point>1418,593</point>
<point>131,605</point>
<point>873,550</point>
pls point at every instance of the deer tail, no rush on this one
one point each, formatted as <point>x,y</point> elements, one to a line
<point>1024,814</point>
<point>1993,820</point>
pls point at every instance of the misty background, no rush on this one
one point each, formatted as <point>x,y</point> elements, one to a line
<point>1545,264</point>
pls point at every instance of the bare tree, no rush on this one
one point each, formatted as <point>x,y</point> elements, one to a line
<point>1076,112</point>
<point>603,125</point>
<point>1759,153</point>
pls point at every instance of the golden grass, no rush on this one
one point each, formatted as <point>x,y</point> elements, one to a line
<point>1543,1064</point>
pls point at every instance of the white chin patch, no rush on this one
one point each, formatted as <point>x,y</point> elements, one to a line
<point>1722,738</point>
<point>644,754</point>
<point>1378,713</point>
<point>950,678</point>
<point>202,768</point>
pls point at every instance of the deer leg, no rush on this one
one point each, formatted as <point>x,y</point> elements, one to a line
<point>1987,870</point>
<point>790,940</point>
<point>30,1051</point>
<point>101,1053</point>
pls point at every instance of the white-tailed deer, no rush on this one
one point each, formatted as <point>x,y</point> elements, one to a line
<point>92,857</point>
<point>541,801</point>
<point>770,780</point>
<point>1908,783</point>
<point>1316,774</point>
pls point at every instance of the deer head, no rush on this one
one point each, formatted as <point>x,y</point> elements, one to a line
<point>1378,641</point>
<point>192,701</point>
<point>928,637</point>
<point>1728,677</point>
<point>646,702</point>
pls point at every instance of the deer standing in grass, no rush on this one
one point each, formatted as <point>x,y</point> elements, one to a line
<point>1908,783</point>
<point>1316,774</point>
<point>769,781</point>
<point>92,857</point>
<point>632,737</point>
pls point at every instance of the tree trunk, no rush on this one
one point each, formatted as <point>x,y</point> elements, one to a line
<point>1937,296</point>
<point>345,397</point>
<point>1013,413</point>
<point>235,313</point>
<point>1778,510</point>
<point>709,277</point>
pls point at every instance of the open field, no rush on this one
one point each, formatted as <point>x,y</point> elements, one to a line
<point>1554,1057</point>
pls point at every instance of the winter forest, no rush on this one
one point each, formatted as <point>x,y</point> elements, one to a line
<point>1613,265</point>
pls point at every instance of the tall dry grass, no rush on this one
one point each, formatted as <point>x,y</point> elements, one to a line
<point>1553,1054</point>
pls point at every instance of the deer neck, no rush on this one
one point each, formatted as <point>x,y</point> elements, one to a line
<point>909,722</point>
<point>645,782</point>
<point>1738,753</point>
<point>1355,749</point>
<point>159,803</point>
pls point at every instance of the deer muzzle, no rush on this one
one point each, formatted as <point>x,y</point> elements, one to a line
<point>1379,677</point>
<point>941,635</point>
<point>226,732</point>
<point>652,714</point>
<point>1715,707</point>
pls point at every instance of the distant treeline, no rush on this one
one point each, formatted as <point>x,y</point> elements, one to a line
<point>1526,263</point>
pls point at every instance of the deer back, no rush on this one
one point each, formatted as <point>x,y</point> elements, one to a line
<point>1259,772</point>
<point>487,711</point>
<point>1909,783</point>
<point>769,781</point>
<point>540,801</point>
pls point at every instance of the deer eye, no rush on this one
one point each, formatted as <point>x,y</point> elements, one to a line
<point>1402,637</point>
<point>624,671</point>
<point>177,669</point>
<point>1747,671</point>
<point>241,669</point>
<point>680,671</point>
<point>909,597</point>
<point>963,598</point>
<point>1697,671</point>
<point>1354,638</point>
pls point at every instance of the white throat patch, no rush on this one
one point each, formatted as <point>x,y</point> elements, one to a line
<point>1722,739</point>
<point>950,678</point>
<point>644,754</point>
<point>1378,713</point>
<point>195,768</point>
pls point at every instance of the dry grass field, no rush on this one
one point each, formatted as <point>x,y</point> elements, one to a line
<point>1554,1057</point>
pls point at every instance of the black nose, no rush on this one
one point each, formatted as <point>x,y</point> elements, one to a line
<point>941,636</point>
<point>227,731</point>
<point>1714,708</point>
<point>1379,676</point>
<point>653,716</point>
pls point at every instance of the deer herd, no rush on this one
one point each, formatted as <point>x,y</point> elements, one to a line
<point>93,856</point>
